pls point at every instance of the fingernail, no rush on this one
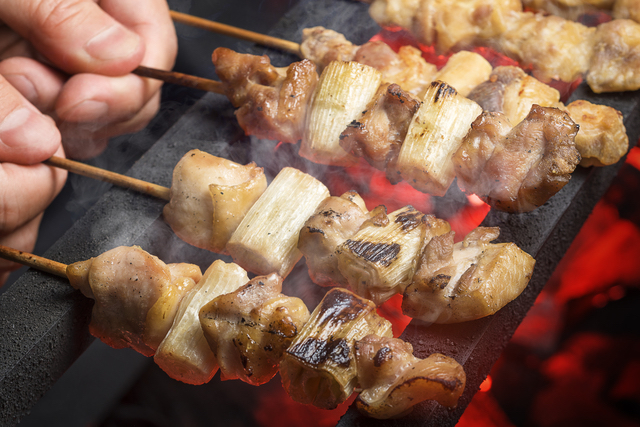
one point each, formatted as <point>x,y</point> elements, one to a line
<point>86,111</point>
<point>24,128</point>
<point>24,86</point>
<point>114,42</point>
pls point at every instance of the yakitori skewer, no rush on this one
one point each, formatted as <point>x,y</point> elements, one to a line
<point>229,30</point>
<point>180,79</point>
<point>111,177</point>
<point>34,261</point>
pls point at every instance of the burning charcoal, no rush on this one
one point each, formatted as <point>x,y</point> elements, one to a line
<point>336,220</point>
<point>133,292</point>
<point>249,329</point>
<point>266,241</point>
<point>602,139</point>
<point>434,135</point>
<point>467,280</point>
<point>319,367</point>
<point>184,353</point>
<point>392,380</point>
<point>209,197</point>
<point>379,261</point>
<point>343,92</point>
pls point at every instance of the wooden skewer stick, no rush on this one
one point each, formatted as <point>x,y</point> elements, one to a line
<point>181,79</point>
<point>34,261</point>
<point>112,177</point>
<point>229,30</point>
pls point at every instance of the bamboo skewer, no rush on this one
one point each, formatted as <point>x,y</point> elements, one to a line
<point>181,79</point>
<point>229,30</point>
<point>34,261</point>
<point>111,177</point>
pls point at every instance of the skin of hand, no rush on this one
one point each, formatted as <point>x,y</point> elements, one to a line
<point>65,82</point>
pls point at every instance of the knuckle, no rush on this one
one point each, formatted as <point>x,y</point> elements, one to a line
<point>52,15</point>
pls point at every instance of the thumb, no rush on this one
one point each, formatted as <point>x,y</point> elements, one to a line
<point>75,35</point>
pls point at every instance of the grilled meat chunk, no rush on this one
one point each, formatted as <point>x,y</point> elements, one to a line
<point>209,197</point>
<point>466,280</point>
<point>249,329</point>
<point>319,367</point>
<point>392,380</point>
<point>272,102</point>
<point>135,294</point>
<point>522,170</point>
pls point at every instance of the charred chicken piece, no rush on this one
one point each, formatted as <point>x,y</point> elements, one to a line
<point>378,134</point>
<point>522,170</point>
<point>602,139</point>
<point>184,353</point>
<point>249,329</point>
<point>135,294</point>
<point>209,197</point>
<point>322,46</point>
<point>570,9</point>
<point>336,220</point>
<point>271,102</point>
<point>392,380</point>
<point>466,280</point>
<point>616,57</point>
<point>380,259</point>
<point>319,367</point>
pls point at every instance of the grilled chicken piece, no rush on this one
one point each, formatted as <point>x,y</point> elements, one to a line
<point>521,170</point>
<point>616,57</point>
<point>464,71</point>
<point>322,46</point>
<point>627,9</point>
<point>378,134</point>
<point>554,47</point>
<point>602,139</point>
<point>392,380</point>
<point>570,9</point>
<point>271,102</point>
<point>319,367</point>
<point>136,295</point>
<point>466,280</point>
<point>209,197</point>
<point>336,220</point>
<point>379,260</point>
<point>249,329</point>
<point>184,353</point>
<point>511,91</point>
<point>449,27</point>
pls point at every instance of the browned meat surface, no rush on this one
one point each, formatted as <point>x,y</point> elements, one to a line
<point>627,9</point>
<point>126,283</point>
<point>393,380</point>
<point>336,220</point>
<point>532,163</point>
<point>321,46</point>
<point>570,9</point>
<point>249,329</point>
<point>379,133</point>
<point>272,102</point>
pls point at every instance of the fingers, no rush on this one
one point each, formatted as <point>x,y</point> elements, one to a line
<point>26,191</point>
<point>22,239</point>
<point>76,35</point>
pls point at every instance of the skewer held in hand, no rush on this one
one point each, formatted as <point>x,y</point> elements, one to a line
<point>180,79</point>
<point>111,177</point>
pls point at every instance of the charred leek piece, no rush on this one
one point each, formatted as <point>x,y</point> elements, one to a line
<point>184,354</point>
<point>393,380</point>
<point>319,366</point>
<point>380,260</point>
<point>336,220</point>
<point>467,280</point>
<point>209,197</point>
<point>343,92</point>
<point>434,135</point>
<point>249,329</point>
<point>131,289</point>
<point>266,241</point>
<point>464,71</point>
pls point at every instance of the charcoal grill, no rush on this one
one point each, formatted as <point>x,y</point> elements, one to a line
<point>43,322</point>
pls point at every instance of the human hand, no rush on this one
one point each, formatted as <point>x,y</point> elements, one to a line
<point>27,187</point>
<point>72,59</point>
